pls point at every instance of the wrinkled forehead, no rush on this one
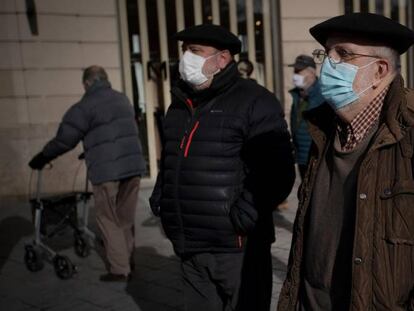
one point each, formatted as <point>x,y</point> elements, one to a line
<point>352,42</point>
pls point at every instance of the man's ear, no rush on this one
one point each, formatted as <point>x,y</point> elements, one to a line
<point>224,58</point>
<point>382,70</point>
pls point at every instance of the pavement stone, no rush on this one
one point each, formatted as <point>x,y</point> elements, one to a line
<point>156,283</point>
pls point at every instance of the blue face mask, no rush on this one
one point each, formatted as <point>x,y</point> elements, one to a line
<point>336,83</point>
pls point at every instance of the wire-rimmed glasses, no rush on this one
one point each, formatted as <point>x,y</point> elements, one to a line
<point>319,56</point>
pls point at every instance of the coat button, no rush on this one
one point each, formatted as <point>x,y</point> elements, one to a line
<point>358,260</point>
<point>387,191</point>
<point>362,196</point>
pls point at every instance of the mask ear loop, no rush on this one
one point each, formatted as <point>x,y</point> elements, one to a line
<point>373,84</point>
<point>218,69</point>
<point>362,67</point>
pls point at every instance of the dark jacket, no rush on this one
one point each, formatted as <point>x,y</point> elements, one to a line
<point>383,252</point>
<point>225,164</point>
<point>299,127</point>
<point>104,120</point>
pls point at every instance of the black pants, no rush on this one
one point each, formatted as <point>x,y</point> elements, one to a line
<point>211,281</point>
<point>256,285</point>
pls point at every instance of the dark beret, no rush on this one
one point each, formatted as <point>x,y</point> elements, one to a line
<point>376,28</point>
<point>211,35</point>
<point>302,62</point>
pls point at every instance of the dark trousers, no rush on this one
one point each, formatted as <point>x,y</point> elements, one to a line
<point>256,285</point>
<point>211,281</point>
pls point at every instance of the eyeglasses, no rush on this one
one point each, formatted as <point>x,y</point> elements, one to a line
<point>319,56</point>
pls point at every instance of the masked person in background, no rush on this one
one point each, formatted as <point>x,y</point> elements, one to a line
<point>353,239</point>
<point>306,95</point>
<point>226,162</point>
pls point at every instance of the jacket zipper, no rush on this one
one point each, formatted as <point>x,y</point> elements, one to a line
<point>183,140</point>
<point>189,105</point>
<point>190,138</point>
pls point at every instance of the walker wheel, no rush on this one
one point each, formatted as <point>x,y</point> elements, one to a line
<point>63,267</point>
<point>82,248</point>
<point>33,259</point>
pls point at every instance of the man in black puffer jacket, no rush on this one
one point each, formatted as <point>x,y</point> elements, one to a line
<point>104,120</point>
<point>226,163</point>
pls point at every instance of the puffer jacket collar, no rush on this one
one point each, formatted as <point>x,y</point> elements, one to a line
<point>221,82</point>
<point>96,86</point>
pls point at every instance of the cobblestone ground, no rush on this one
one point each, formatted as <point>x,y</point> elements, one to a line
<point>155,285</point>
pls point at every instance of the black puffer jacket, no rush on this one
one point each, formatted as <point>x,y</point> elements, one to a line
<point>104,120</point>
<point>225,164</point>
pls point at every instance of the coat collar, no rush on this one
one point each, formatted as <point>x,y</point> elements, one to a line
<point>398,111</point>
<point>97,85</point>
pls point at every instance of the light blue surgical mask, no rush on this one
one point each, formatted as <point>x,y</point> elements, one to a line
<point>336,82</point>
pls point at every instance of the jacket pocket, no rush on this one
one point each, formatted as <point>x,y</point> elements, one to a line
<point>398,271</point>
<point>398,201</point>
<point>398,253</point>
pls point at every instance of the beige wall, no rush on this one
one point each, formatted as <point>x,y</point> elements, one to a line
<point>297,17</point>
<point>40,78</point>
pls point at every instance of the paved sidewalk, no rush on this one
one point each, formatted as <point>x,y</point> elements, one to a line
<point>156,279</point>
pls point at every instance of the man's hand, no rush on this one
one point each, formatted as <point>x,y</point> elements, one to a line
<point>38,161</point>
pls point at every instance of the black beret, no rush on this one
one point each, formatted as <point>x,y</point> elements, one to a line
<point>211,35</point>
<point>374,27</point>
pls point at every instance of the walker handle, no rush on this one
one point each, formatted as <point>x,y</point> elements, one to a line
<point>39,185</point>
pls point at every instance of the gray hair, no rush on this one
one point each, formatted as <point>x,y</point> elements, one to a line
<point>94,73</point>
<point>389,54</point>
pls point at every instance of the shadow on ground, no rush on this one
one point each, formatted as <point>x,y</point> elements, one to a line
<point>12,230</point>
<point>156,282</point>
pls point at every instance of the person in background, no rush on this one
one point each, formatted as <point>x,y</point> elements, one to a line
<point>306,95</point>
<point>227,161</point>
<point>245,68</point>
<point>353,238</point>
<point>104,121</point>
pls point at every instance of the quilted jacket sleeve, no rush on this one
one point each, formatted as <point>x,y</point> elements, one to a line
<point>71,130</point>
<point>269,163</point>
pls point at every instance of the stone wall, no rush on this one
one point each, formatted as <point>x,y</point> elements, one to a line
<point>40,78</point>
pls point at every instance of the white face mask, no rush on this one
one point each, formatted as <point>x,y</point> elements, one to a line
<point>191,68</point>
<point>298,80</point>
